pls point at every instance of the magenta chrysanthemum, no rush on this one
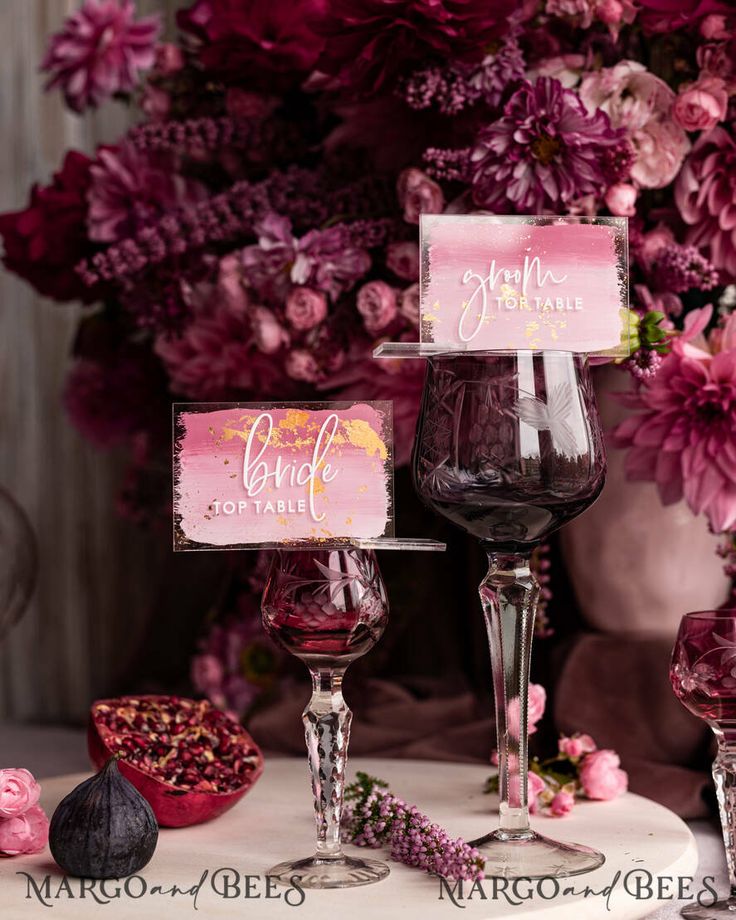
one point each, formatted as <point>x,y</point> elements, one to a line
<point>100,51</point>
<point>706,196</point>
<point>543,153</point>
<point>683,436</point>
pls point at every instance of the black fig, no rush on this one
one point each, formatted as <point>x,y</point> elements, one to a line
<point>104,828</point>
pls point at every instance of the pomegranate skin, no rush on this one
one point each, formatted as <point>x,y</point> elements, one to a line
<point>172,806</point>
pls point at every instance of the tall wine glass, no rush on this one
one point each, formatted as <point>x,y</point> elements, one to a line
<point>703,676</point>
<point>327,607</point>
<point>509,448</point>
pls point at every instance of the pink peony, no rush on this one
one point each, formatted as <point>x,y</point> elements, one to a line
<point>535,787</point>
<point>376,303</point>
<point>684,435</point>
<point>601,776</point>
<point>621,199</point>
<point>24,834</point>
<point>270,336</point>
<point>99,52</point>
<point>305,308</point>
<point>302,365</point>
<point>418,194</point>
<point>638,101</point>
<point>562,804</point>
<point>700,106</point>
<point>403,260</point>
<point>576,746</point>
<point>18,792</point>
<point>705,194</point>
<point>130,190</point>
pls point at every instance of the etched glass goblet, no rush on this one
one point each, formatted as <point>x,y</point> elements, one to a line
<point>327,607</point>
<point>509,448</point>
<point>703,676</point>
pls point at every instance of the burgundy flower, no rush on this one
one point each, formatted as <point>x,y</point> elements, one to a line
<point>131,189</point>
<point>706,197</point>
<point>254,41</point>
<point>99,51</point>
<point>45,241</point>
<point>545,152</point>
<point>665,15</point>
<point>369,42</point>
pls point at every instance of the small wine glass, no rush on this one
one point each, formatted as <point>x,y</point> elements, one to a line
<point>509,448</point>
<point>327,607</point>
<point>703,676</point>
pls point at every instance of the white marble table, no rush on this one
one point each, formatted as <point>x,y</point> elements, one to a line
<point>274,822</point>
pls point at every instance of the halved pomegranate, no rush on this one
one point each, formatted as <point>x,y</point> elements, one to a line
<point>191,761</point>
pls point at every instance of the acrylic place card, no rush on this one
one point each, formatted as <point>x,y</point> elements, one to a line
<point>507,283</point>
<point>252,475</point>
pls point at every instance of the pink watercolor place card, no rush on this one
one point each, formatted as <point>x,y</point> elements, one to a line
<point>249,475</point>
<point>508,283</point>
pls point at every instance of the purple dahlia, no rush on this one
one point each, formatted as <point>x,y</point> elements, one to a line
<point>543,153</point>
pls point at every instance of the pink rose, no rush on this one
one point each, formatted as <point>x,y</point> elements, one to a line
<point>27,833</point>
<point>701,105</point>
<point>302,365</point>
<point>409,306</point>
<point>535,710</point>
<point>561,804</point>
<point>418,194</point>
<point>403,260</point>
<point>268,333</point>
<point>535,787</point>
<point>601,776</point>
<point>376,303</point>
<point>621,199</point>
<point>19,791</point>
<point>168,59</point>
<point>576,746</point>
<point>305,308</point>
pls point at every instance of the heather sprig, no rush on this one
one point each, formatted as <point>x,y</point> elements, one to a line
<point>377,818</point>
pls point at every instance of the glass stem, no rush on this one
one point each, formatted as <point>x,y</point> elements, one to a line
<point>724,775</point>
<point>509,595</point>
<point>327,730</point>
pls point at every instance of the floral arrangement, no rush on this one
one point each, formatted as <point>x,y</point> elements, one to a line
<point>24,827</point>
<point>255,235</point>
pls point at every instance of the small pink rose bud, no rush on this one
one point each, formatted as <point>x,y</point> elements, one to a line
<point>24,834</point>
<point>700,106</point>
<point>611,12</point>
<point>268,333</point>
<point>535,787</point>
<point>305,308</point>
<point>561,804</point>
<point>601,776</point>
<point>301,365</point>
<point>621,199</point>
<point>18,792</point>
<point>418,194</point>
<point>376,303</point>
<point>403,260</point>
<point>714,27</point>
<point>168,59</point>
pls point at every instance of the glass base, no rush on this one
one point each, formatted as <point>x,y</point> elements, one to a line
<point>724,908</point>
<point>321,872</point>
<point>534,856</point>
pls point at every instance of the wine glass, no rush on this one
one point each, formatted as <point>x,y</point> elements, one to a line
<point>509,448</point>
<point>327,607</point>
<point>703,676</point>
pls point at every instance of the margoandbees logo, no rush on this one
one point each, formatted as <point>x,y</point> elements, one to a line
<point>225,883</point>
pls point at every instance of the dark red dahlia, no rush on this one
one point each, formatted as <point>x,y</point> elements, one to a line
<point>254,41</point>
<point>47,239</point>
<point>369,42</point>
